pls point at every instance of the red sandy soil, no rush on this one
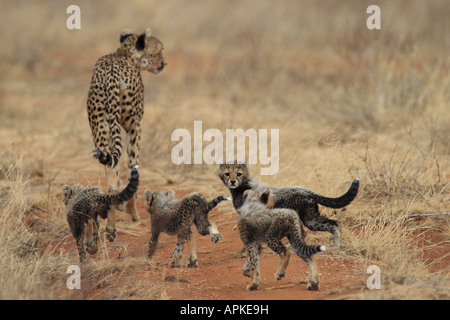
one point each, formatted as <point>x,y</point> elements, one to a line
<point>218,276</point>
<point>219,273</point>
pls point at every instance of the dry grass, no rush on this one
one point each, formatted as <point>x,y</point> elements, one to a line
<point>348,102</point>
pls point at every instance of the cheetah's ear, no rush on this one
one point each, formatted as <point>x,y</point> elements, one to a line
<point>267,199</point>
<point>148,33</point>
<point>143,39</point>
<point>66,191</point>
<point>170,192</point>
<point>148,196</point>
<point>125,34</point>
<point>245,194</point>
<point>222,168</point>
<point>271,201</point>
<point>140,43</point>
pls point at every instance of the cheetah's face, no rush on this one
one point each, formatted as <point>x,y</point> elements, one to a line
<point>153,59</point>
<point>233,174</point>
<point>145,51</point>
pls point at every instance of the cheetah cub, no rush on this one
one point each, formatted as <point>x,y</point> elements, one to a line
<point>258,223</point>
<point>175,217</point>
<point>85,204</point>
<point>236,178</point>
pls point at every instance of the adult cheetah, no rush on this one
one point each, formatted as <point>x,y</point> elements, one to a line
<point>116,99</point>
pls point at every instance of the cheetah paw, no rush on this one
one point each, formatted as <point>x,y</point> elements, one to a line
<point>279,276</point>
<point>313,286</point>
<point>111,234</point>
<point>252,286</point>
<point>215,237</point>
<point>192,263</point>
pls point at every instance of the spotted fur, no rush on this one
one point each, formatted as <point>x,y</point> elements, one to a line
<point>116,100</point>
<point>83,206</point>
<point>175,217</point>
<point>259,223</point>
<point>305,202</point>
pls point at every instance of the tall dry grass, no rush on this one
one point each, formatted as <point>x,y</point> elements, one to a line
<point>348,102</point>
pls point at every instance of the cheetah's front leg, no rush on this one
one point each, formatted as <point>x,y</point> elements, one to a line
<point>214,233</point>
<point>192,259</point>
<point>153,243</point>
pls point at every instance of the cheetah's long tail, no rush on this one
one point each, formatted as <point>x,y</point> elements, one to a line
<point>341,201</point>
<point>213,203</point>
<point>300,247</point>
<point>129,190</point>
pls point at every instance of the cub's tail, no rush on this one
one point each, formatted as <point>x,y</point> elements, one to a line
<point>341,201</point>
<point>128,192</point>
<point>300,247</point>
<point>213,203</point>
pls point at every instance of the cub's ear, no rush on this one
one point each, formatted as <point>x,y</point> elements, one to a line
<point>148,197</point>
<point>125,34</point>
<point>245,194</point>
<point>66,192</point>
<point>170,192</point>
<point>267,199</point>
<point>222,167</point>
<point>244,165</point>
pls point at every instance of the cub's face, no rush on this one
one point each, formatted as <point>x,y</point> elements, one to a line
<point>233,174</point>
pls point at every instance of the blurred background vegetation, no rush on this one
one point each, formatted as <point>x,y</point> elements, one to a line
<point>348,101</point>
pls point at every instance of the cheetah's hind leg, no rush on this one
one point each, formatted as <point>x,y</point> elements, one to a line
<point>91,236</point>
<point>130,208</point>
<point>253,254</point>
<point>177,253</point>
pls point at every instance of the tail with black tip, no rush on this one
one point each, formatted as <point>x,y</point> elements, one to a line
<point>342,201</point>
<point>129,191</point>
<point>299,246</point>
